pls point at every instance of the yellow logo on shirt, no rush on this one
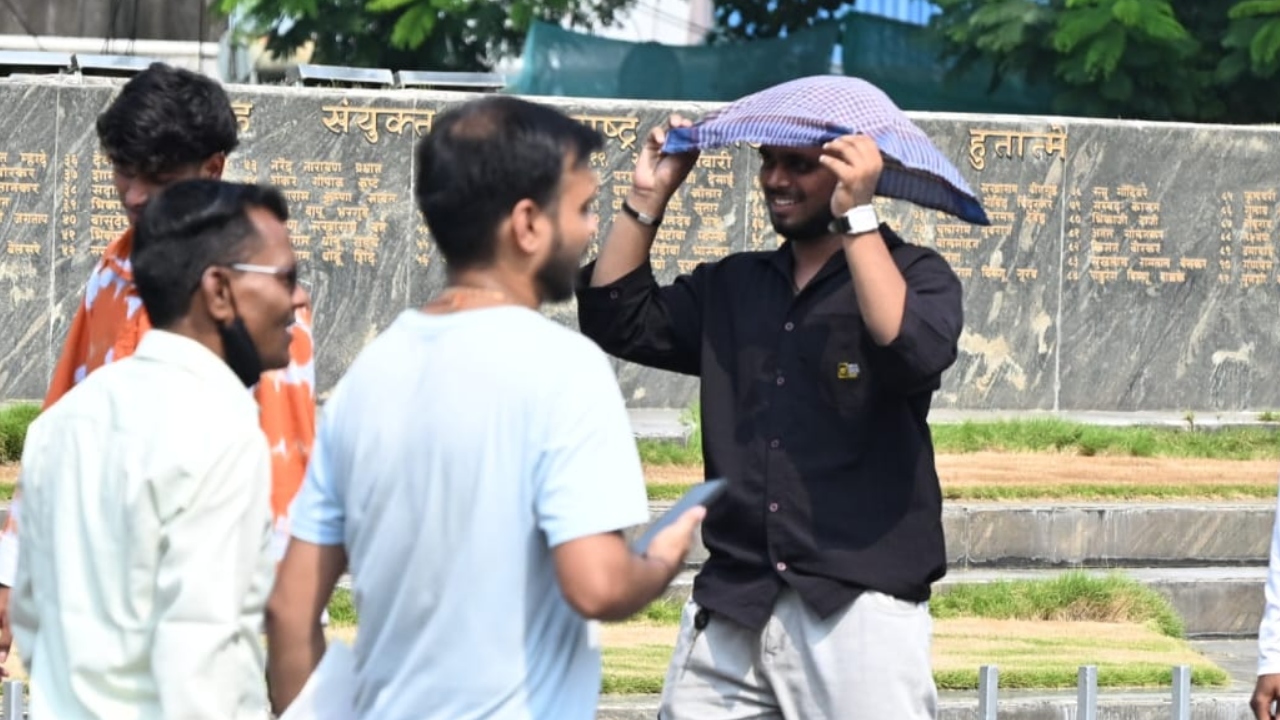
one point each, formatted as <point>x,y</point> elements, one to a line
<point>848,371</point>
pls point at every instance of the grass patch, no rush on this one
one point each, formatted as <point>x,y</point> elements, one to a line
<point>14,420</point>
<point>1037,632</point>
<point>1045,435</point>
<point>667,491</point>
<point>1073,596</point>
<point>661,612</point>
<point>672,452</point>
<point>342,609</point>
<point>1047,654</point>
<point>634,670</point>
<point>667,452</point>
<point>1049,435</point>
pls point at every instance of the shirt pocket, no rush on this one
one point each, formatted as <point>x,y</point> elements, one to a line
<point>833,354</point>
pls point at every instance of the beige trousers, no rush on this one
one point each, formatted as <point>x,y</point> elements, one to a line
<point>869,661</point>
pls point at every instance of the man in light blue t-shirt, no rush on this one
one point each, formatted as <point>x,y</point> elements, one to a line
<point>476,465</point>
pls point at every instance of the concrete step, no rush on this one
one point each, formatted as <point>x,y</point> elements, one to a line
<point>1212,601</point>
<point>1094,534</point>
<point>1107,534</point>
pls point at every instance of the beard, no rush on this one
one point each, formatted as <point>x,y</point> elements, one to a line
<point>555,279</point>
<point>814,227</point>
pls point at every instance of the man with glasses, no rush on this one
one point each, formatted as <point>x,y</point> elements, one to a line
<point>145,557</point>
<point>167,125</point>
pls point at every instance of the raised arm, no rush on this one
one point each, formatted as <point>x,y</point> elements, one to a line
<point>620,304</point>
<point>909,298</point>
<point>656,178</point>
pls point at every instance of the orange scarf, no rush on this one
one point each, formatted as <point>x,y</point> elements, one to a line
<point>111,320</point>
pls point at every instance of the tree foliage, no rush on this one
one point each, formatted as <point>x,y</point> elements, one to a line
<point>1195,60</point>
<point>456,35</point>
<point>746,19</point>
<point>1156,59</point>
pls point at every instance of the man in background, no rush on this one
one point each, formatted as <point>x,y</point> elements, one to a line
<point>166,125</point>
<point>145,556</point>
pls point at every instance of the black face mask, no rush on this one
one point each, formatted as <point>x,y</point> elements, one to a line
<point>237,346</point>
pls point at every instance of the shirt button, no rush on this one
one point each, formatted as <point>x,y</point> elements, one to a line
<point>789,326</point>
<point>782,567</point>
<point>773,507</point>
<point>774,443</point>
<point>781,381</point>
<point>613,294</point>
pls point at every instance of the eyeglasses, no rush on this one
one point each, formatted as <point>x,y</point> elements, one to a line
<point>287,275</point>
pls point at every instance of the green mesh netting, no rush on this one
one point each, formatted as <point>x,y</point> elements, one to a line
<point>561,62</point>
<point>902,59</point>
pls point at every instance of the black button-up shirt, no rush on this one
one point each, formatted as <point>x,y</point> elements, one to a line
<point>820,432</point>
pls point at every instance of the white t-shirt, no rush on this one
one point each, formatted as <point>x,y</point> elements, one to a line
<point>457,451</point>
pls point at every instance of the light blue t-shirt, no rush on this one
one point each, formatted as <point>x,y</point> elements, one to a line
<point>456,452</point>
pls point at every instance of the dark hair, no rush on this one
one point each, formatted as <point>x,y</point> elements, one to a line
<point>190,226</point>
<point>165,118</point>
<point>483,157</point>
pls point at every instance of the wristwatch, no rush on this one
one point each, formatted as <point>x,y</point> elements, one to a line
<point>857,221</point>
<point>640,217</point>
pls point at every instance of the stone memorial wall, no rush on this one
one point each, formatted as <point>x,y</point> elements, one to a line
<point>1128,266</point>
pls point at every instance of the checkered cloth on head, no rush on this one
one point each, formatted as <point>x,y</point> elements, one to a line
<point>813,110</point>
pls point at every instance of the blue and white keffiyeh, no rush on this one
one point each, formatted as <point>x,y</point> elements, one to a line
<point>813,110</point>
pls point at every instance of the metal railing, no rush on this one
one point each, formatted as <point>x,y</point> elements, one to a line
<point>1086,692</point>
<point>14,700</point>
<point>988,694</point>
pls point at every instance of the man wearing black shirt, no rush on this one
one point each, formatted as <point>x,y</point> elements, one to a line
<point>818,361</point>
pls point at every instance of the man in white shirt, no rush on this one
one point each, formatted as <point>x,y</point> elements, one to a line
<point>1266,692</point>
<point>476,464</point>
<point>144,558</point>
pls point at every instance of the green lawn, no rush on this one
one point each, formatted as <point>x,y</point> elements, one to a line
<point>1038,632</point>
<point>1049,435</point>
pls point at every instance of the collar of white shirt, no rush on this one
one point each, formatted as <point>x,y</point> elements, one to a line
<point>179,350</point>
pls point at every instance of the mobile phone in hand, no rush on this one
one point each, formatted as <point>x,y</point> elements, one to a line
<point>703,493</point>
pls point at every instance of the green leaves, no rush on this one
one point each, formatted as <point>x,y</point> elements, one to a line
<point>462,35</point>
<point>1157,59</point>
<point>1253,39</point>
<point>1078,26</point>
<point>1254,8</point>
<point>388,5</point>
<point>414,26</point>
<point>1265,46</point>
<point>1104,52</point>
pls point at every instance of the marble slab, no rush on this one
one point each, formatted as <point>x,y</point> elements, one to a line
<point>1128,266</point>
